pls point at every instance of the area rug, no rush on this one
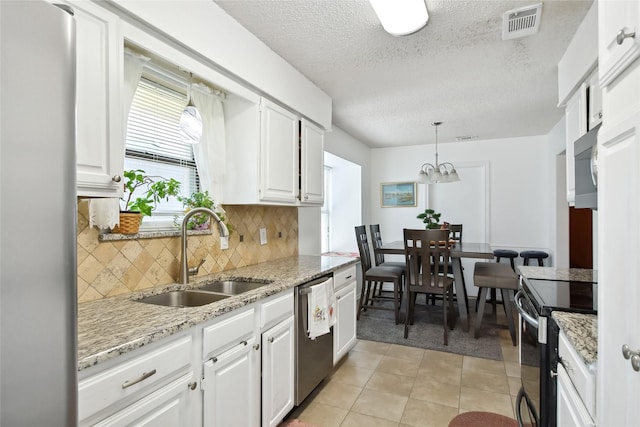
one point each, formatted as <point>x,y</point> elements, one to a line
<point>427,331</point>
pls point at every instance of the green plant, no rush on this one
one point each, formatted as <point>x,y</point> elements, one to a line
<point>430,218</point>
<point>157,188</point>
<point>202,200</point>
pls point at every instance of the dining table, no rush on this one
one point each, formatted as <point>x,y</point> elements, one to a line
<point>458,251</point>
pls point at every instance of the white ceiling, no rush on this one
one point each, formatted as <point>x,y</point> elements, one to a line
<point>387,90</point>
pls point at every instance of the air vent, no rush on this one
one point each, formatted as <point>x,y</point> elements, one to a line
<point>521,22</point>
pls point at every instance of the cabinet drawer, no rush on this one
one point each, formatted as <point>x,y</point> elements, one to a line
<point>106,388</point>
<point>582,378</point>
<point>343,276</point>
<point>231,330</point>
<point>275,310</point>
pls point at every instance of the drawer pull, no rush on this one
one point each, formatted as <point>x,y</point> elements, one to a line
<point>243,342</point>
<point>257,346</point>
<point>192,385</point>
<point>627,353</point>
<point>142,377</point>
<point>348,277</point>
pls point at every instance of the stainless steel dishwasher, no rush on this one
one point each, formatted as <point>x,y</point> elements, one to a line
<point>314,358</point>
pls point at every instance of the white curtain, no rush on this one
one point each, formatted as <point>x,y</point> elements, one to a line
<point>210,153</point>
<point>133,65</point>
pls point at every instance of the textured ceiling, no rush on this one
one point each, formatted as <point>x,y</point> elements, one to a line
<point>387,90</point>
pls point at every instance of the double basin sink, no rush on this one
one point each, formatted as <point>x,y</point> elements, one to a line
<point>207,294</point>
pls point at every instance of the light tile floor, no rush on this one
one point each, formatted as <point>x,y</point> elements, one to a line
<point>381,384</point>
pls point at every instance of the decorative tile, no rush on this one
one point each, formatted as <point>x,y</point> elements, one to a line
<point>113,267</point>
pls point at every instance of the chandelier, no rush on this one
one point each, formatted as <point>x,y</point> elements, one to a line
<point>441,172</point>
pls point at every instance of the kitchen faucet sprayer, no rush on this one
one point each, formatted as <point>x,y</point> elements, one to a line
<point>184,266</point>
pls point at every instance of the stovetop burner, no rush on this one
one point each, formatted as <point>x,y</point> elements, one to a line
<point>549,295</point>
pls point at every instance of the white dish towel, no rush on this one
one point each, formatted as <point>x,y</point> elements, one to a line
<point>318,311</point>
<point>104,213</point>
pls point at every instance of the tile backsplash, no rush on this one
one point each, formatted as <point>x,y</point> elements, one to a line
<point>107,268</point>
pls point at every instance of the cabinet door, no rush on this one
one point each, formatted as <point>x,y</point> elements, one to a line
<point>576,126</point>
<point>231,387</point>
<point>277,372</point>
<point>311,164</point>
<point>595,101</point>
<point>571,410</point>
<point>169,406</point>
<point>278,153</point>
<point>617,17</point>
<point>618,385</point>
<point>344,331</point>
<point>99,74</point>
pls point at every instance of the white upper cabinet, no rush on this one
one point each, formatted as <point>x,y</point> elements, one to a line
<point>576,126</point>
<point>619,41</point>
<point>274,157</point>
<point>278,153</point>
<point>311,164</point>
<point>594,101</point>
<point>99,69</point>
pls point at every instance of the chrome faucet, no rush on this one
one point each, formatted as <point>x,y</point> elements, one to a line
<point>184,266</point>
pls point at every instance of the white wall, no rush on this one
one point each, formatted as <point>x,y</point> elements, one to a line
<point>345,203</point>
<point>519,181</point>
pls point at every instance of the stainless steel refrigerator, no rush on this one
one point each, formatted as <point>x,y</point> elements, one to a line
<point>38,367</point>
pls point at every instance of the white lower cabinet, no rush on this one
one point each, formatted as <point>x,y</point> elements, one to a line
<point>571,409</point>
<point>230,385</point>
<point>277,372</point>
<point>169,406</point>
<point>344,330</point>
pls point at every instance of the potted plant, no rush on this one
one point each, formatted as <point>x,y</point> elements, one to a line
<point>157,188</point>
<point>430,218</point>
<point>199,221</point>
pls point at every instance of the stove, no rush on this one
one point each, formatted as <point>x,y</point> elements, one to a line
<point>538,341</point>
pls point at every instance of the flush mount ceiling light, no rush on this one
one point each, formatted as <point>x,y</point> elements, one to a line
<point>441,172</point>
<point>190,120</point>
<point>401,17</point>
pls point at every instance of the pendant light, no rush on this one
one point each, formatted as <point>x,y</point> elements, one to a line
<point>441,172</point>
<point>190,120</point>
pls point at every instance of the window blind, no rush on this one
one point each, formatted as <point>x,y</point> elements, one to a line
<point>153,143</point>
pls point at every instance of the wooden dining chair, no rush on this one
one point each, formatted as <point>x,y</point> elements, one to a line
<point>377,274</point>
<point>424,251</point>
<point>376,241</point>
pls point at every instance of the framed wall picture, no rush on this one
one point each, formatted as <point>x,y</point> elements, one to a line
<point>398,194</point>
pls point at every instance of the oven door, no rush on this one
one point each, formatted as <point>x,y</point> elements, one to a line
<point>528,400</point>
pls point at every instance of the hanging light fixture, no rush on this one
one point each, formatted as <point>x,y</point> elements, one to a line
<point>401,17</point>
<point>441,172</point>
<point>190,120</point>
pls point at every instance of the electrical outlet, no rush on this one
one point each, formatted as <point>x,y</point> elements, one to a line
<point>224,242</point>
<point>263,236</point>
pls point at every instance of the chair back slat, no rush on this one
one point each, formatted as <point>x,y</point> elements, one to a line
<point>455,232</point>
<point>363,247</point>
<point>376,240</point>
<point>425,252</point>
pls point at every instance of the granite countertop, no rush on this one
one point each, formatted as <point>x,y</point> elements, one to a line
<point>561,274</point>
<point>113,326</point>
<point>582,332</point>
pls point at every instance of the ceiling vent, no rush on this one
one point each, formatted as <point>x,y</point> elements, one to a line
<point>521,22</point>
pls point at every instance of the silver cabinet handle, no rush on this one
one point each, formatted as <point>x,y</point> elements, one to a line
<point>622,35</point>
<point>306,197</point>
<point>338,297</point>
<point>116,178</point>
<point>257,346</point>
<point>271,339</point>
<point>192,385</point>
<point>142,377</point>
<point>627,353</point>
<point>348,277</point>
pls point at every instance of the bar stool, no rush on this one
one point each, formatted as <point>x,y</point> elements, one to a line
<point>539,255</point>
<point>492,275</point>
<point>506,253</point>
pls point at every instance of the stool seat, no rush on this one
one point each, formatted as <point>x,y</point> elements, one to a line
<point>505,253</point>
<point>539,255</point>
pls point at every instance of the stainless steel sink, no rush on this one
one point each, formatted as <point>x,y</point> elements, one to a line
<point>187,298</point>
<point>232,287</point>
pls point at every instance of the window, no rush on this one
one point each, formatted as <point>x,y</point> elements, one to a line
<point>153,143</point>
<point>325,212</point>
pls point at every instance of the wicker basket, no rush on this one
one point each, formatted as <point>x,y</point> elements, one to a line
<point>129,223</point>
